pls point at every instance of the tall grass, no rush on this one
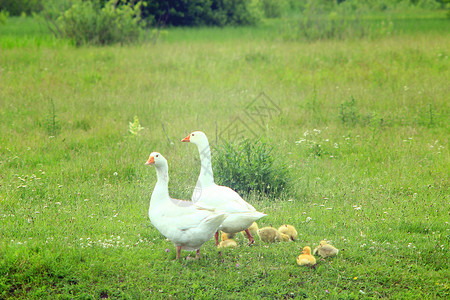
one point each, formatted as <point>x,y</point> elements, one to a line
<point>73,207</point>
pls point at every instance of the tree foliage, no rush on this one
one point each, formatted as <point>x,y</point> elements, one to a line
<point>19,7</point>
<point>200,12</point>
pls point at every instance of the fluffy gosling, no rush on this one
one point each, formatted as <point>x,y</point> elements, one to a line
<point>306,259</point>
<point>289,230</point>
<point>226,242</point>
<point>325,250</point>
<point>271,235</point>
<point>229,235</point>
<point>284,237</point>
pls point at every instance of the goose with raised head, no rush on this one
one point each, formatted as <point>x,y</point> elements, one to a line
<point>306,259</point>
<point>188,225</point>
<point>240,214</point>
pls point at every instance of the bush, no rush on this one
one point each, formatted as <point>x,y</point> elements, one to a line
<point>87,22</point>
<point>18,7</point>
<point>3,16</point>
<point>199,12</point>
<point>249,167</point>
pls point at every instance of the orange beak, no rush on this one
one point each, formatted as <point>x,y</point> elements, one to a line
<point>150,161</point>
<point>186,139</point>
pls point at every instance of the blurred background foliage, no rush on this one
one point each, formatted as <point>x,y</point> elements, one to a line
<point>221,12</point>
<point>102,22</point>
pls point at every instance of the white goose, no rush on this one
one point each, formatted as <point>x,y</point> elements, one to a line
<point>186,224</point>
<point>240,214</point>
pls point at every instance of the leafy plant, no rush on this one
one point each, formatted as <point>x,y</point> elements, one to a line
<point>428,116</point>
<point>349,115</point>
<point>249,166</point>
<point>315,145</point>
<point>135,127</point>
<point>88,22</point>
<point>3,16</point>
<point>348,112</point>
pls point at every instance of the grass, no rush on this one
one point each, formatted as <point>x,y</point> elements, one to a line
<point>363,127</point>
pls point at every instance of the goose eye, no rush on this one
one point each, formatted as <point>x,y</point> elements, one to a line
<point>157,155</point>
<point>192,134</point>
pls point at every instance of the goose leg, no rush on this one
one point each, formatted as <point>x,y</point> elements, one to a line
<point>178,252</point>
<point>197,256</point>
<point>251,240</point>
<point>217,238</point>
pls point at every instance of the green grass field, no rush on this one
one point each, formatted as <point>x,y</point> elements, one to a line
<point>368,174</point>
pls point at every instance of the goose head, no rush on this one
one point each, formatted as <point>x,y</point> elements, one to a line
<point>156,159</point>
<point>196,137</point>
<point>306,250</point>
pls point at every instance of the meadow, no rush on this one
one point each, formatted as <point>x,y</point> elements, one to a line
<point>362,125</point>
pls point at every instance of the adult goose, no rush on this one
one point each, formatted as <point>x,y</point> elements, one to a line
<point>188,225</point>
<point>240,214</point>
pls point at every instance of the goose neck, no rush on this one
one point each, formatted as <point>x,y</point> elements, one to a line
<point>161,190</point>
<point>206,177</point>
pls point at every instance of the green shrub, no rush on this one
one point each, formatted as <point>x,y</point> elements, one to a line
<point>199,12</point>
<point>3,16</point>
<point>88,22</point>
<point>249,167</point>
<point>18,7</point>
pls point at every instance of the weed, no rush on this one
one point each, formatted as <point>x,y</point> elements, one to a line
<point>250,167</point>
<point>348,112</point>
<point>349,115</point>
<point>83,124</point>
<point>52,123</point>
<point>135,127</point>
<point>430,115</point>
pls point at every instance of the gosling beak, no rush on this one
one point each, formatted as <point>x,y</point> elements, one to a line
<point>186,139</point>
<point>150,161</point>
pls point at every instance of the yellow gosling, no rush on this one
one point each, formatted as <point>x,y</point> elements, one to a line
<point>289,230</point>
<point>306,259</point>
<point>285,237</point>
<point>226,241</point>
